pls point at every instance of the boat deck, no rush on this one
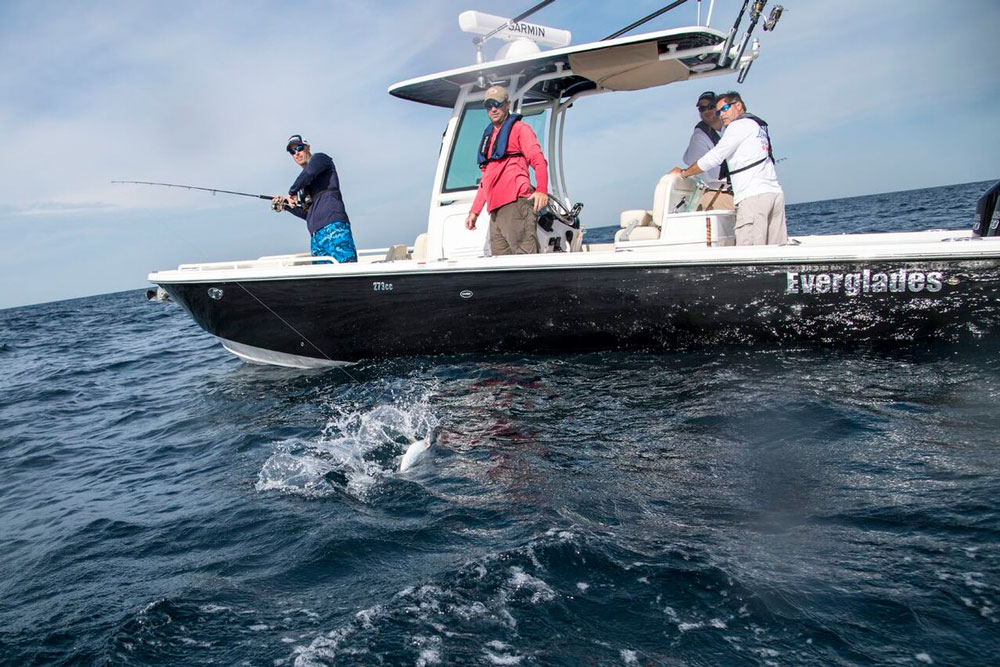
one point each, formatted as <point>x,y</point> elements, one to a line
<point>809,249</point>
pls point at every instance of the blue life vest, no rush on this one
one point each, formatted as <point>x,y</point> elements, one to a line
<point>499,151</point>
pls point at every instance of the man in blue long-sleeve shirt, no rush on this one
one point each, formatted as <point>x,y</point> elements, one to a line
<point>326,217</point>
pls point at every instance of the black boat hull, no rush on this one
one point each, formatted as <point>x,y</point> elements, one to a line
<point>349,318</point>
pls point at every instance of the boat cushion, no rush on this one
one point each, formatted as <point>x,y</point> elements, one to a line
<point>638,234</point>
<point>645,218</point>
<point>420,248</point>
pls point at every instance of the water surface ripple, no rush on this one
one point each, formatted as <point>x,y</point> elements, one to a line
<point>164,503</point>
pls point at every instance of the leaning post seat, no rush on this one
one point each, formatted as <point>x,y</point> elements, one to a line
<point>675,211</point>
<point>676,218</point>
<point>637,226</point>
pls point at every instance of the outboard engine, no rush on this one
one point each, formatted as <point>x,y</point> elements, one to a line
<point>987,215</point>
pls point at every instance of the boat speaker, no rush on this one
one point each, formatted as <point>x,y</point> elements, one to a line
<point>987,215</point>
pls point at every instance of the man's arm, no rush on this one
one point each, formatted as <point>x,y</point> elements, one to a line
<point>721,152</point>
<point>725,149</point>
<point>528,146</point>
<point>282,203</point>
<point>318,163</point>
<point>477,205</point>
<point>297,210</point>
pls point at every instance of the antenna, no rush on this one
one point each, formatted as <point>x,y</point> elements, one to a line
<point>708,19</point>
<point>527,37</point>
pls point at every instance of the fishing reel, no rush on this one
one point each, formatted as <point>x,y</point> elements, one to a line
<point>772,20</point>
<point>304,201</point>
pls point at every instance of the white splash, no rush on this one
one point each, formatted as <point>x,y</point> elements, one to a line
<point>353,452</point>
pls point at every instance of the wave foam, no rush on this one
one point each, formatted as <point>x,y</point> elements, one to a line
<point>354,451</point>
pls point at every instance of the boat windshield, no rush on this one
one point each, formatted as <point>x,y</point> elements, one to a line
<point>463,170</point>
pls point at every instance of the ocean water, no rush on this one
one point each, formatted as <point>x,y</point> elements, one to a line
<point>163,503</point>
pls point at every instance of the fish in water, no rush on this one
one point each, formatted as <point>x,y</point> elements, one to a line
<point>415,450</point>
<point>158,294</point>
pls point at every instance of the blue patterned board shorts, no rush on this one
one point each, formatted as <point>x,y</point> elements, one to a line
<point>334,240</point>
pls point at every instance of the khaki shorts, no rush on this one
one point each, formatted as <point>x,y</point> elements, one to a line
<point>512,229</point>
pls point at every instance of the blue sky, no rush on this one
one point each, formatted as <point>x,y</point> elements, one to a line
<point>862,97</point>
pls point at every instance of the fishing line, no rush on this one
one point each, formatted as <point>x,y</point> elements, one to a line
<point>297,332</point>
<point>243,287</point>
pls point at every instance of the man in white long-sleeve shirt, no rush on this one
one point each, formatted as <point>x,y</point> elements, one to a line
<point>746,147</point>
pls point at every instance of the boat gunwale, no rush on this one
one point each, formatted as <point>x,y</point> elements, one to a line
<point>966,248</point>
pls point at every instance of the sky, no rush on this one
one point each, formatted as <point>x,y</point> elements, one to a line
<point>862,96</point>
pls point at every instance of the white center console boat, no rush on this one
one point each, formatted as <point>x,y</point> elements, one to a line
<point>671,277</point>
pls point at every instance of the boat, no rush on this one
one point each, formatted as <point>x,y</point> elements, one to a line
<point>671,277</point>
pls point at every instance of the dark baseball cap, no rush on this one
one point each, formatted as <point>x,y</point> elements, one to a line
<point>707,95</point>
<point>294,140</point>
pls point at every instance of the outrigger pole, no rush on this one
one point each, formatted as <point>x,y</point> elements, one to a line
<point>195,187</point>
<point>645,19</point>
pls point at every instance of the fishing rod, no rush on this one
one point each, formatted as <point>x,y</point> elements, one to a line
<point>195,187</point>
<point>274,207</point>
<point>724,55</point>
<point>755,12</point>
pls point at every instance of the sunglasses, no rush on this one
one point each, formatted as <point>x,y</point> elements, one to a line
<point>724,107</point>
<point>492,104</point>
<point>292,150</point>
<point>705,108</point>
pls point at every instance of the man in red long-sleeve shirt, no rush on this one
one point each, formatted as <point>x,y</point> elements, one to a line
<point>507,148</point>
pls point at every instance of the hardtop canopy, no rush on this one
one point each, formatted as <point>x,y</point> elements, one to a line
<point>626,63</point>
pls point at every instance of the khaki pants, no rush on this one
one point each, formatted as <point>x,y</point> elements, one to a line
<point>760,220</point>
<point>512,229</point>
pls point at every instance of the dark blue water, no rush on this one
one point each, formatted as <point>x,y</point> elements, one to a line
<point>163,503</point>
